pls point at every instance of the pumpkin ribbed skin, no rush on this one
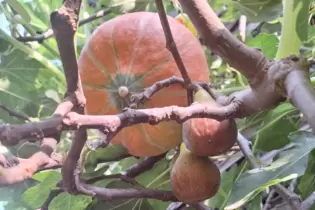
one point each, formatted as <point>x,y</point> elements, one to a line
<point>130,50</point>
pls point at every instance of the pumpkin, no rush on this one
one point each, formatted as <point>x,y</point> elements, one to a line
<point>125,55</point>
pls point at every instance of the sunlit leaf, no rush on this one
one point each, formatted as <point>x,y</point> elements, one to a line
<point>227,181</point>
<point>36,196</point>
<point>49,178</point>
<point>267,43</point>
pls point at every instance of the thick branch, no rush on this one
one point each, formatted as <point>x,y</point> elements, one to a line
<point>220,41</point>
<point>302,94</point>
<point>27,167</point>
<point>12,134</point>
<point>64,24</point>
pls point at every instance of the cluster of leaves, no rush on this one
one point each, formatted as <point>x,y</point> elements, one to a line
<point>32,83</point>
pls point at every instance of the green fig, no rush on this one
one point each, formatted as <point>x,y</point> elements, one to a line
<point>194,178</point>
<point>206,136</point>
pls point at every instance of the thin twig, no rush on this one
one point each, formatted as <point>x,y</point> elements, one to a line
<point>14,113</point>
<point>268,200</point>
<point>244,146</point>
<point>49,33</point>
<point>171,46</point>
<point>132,172</point>
<point>143,166</point>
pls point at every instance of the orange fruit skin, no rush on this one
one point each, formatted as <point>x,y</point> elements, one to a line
<point>130,50</point>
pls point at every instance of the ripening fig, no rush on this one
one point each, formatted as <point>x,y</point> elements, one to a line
<point>194,178</point>
<point>206,136</point>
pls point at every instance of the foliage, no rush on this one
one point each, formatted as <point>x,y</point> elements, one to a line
<point>32,83</point>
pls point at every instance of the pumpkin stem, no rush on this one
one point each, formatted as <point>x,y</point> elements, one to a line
<point>123,91</point>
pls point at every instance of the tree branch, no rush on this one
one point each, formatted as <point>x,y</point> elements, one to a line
<point>111,124</point>
<point>64,23</point>
<point>171,46</point>
<point>27,167</point>
<point>221,42</point>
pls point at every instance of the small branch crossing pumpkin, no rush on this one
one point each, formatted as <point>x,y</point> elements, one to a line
<point>127,54</point>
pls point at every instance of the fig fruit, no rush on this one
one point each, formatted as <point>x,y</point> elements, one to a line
<point>205,136</point>
<point>194,178</point>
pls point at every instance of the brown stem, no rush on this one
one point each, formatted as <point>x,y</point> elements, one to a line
<point>150,91</point>
<point>171,46</point>
<point>143,166</point>
<point>107,194</point>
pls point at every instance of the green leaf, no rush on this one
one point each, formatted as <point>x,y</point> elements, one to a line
<point>158,178</point>
<point>260,10</point>
<point>290,164</point>
<point>66,201</point>
<point>231,13</point>
<point>96,173</point>
<point>125,164</point>
<point>307,183</point>
<point>227,181</point>
<point>20,81</point>
<point>255,204</point>
<point>48,178</point>
<point>122,6</point>
<point>108,154</point>
<point>275,125</point>
<point>14,4</point>
<point>294,28</point>
<point>132,204</point>
<point>36,196</point>
<point>268,43</point>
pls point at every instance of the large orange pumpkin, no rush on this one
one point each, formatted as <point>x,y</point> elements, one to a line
<point>125,55</point>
